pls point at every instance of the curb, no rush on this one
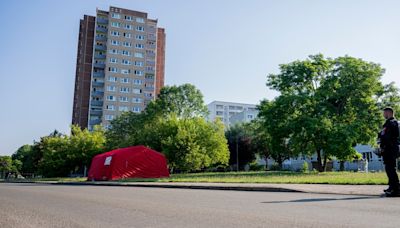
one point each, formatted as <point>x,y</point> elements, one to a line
<point>172,186</point>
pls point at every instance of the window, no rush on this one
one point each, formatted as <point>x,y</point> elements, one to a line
<point>136,109</point>
<point>113,60</point>
<point>123,99</point>
<point>137,82</point>
<point>111,98</point>
<point>139,37</point>
<point>127,44</point>
<point>115,24</point>
<point>116,15</point>
<point>138,63</point>
<point>127,53</point>
<point>140,28</point>
<point>109,117</point>
<point>127,35</point>
<point>128,26</point>
<point>138,72</point>
<point>111,88</point>
<point>124,90</point>
<point>150,68</point>
<point>113,69</point>
<point>114,33</point>
<point>137,100</point>
<point>139,55</point>
<point>123,108</point>
<point>250,117</point>
<point>126,62</point>
<point>113,51</point>
<point>148,94</point>
<point>114,42</point>
<point>139,20</point>
<point>128,18</point>
<point>125,71</point>
<point>124,80</point>
<point>219,113</point>
<point>137,91</point>
<point>112,79</point>
<point>110,107</point>
<point>139,46</point>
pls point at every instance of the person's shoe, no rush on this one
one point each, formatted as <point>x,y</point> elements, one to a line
<point>387,190</point>
<point>392,194</point>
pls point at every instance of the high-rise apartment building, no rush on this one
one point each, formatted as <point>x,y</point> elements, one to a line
<point>120,65</point>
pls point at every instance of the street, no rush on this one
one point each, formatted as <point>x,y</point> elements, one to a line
<point>40,205</point>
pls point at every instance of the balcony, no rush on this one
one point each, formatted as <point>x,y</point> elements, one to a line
<point>149,88</point>
<point>100,47</point>
<point>98,84</point>
<point>151,46</point>
<point>99,74</point>
<point>101,20</point>
<point>95,122</point>
<point>100,56</point>
<point>101,29</point>
<point>96,112</point>
<point>96,103</point>
<point>101,38</point>
<point>98,93</point>
<point>99,65</point>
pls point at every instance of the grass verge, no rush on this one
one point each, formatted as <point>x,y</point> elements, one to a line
<point>350,178</point>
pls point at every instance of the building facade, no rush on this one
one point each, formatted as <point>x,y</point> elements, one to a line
<point>120,65</point>
<point>231,113</point>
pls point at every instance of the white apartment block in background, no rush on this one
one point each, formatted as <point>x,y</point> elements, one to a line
<point>231,113</point>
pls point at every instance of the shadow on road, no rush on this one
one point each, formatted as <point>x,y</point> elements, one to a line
<point>325,199</point>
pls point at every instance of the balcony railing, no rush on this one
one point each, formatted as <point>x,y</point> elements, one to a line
<point>95,122</point>
<point>100,47</point>
<point>101,29</point>
<point>99,56</point>
<point>98,93</point>
<point>98,84</point>
<point>96,103</point>
<point>102,20</point>
<point>99,65</point>
<point>96,112</point>
<point>99,74</point>
<point>101,38</point>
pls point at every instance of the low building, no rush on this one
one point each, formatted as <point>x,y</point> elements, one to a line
<point>375,163</point>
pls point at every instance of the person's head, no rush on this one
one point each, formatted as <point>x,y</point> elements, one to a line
<point>388,113</point>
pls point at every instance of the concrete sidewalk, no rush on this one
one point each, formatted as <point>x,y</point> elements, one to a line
<point>369,190</point>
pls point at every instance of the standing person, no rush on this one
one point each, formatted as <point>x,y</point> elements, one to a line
<point>390,149</point>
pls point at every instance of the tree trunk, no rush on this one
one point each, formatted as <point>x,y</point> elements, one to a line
<point>341,165</point>
<point>319,161</point>
<point>325,161</point>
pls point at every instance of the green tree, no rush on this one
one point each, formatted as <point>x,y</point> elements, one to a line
<point>184,101</point>
<point>63,155</point>
<point>189,144</point>
<point>7,165</point>
<point>240,143</point>
<point>331,103</point>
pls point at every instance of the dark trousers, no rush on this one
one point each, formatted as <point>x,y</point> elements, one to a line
<point>390,168</point>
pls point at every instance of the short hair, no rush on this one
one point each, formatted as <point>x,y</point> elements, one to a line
<point>389,109</point>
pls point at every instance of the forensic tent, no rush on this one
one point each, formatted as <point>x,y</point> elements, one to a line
<point>130,162</point>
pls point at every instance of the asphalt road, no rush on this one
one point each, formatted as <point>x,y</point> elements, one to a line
<point>30,205</point>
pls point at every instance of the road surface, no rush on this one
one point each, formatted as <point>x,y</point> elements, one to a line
<point>38,205</point>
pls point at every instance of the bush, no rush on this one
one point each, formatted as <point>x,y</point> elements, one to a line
<point>304,168</point>
<point>254,166</point>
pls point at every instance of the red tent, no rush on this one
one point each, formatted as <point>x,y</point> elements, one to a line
<point>130,162</point>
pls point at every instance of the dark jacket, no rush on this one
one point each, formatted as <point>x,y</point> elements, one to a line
<point>389,137</point>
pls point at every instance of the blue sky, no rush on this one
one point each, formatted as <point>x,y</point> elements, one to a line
<point>225,48</point>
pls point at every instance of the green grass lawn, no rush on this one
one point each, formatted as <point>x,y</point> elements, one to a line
<point>262,177</point>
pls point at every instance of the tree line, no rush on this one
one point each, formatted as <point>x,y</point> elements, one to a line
<point>325,107</point>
